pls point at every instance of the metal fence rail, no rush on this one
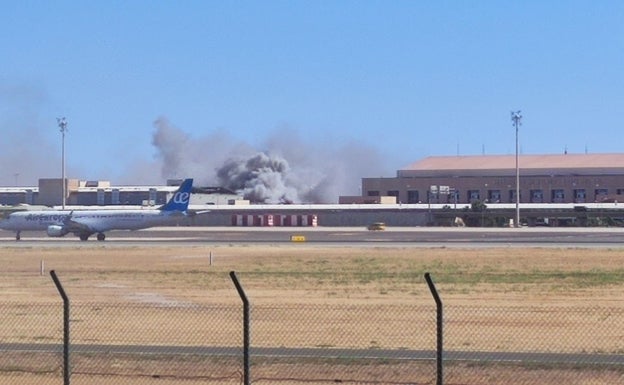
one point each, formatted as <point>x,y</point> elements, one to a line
<point>172,342</point>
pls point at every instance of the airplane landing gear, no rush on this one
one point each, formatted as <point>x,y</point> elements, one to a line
<point>101,237</point>
<point>18,236</point>
<point>84,237</point>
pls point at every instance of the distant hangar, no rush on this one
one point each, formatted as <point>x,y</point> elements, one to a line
<point>554,178</point>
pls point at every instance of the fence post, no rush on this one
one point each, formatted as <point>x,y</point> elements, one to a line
<point>246,329</point>
<point>66,368</point>
<point>440,334</point>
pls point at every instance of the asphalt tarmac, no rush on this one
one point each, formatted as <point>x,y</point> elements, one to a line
<point>392,354</point>
<point>344,236</point>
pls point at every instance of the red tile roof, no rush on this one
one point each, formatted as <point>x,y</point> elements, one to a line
<point>506,162</point>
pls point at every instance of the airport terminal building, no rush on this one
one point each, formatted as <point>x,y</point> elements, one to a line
<point>561,178</point>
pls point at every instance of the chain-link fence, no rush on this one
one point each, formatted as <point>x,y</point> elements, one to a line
<point>160,341</point>
<point>533,345</point>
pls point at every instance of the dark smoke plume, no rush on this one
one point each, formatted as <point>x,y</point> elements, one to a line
<point>261,178</point>
<point>287,170</point>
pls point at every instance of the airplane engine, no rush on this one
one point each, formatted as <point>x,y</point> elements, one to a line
<point>56,231</point>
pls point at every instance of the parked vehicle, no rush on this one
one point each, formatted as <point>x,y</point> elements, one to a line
<point>377,226</point>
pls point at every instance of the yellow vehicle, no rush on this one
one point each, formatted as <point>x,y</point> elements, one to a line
<point>377,226</point>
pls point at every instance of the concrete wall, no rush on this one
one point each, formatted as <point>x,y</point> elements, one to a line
<point>397,217</point>
<point>51,190</point>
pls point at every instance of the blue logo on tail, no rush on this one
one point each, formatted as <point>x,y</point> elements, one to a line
<point>180,200</point>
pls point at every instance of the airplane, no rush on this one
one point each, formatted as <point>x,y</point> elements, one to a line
<point>84,223</point>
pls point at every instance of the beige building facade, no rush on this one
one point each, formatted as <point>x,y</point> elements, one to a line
<point>564,178</point>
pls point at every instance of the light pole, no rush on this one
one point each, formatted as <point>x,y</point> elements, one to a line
<point>516,117</point>
<point>62,123</point>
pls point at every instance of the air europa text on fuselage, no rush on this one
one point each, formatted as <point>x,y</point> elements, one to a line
<point>46,217</point>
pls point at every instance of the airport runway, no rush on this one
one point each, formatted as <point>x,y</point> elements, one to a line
<point>341,236</point>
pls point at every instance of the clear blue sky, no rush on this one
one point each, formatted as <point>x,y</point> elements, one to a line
<point>401,79</point>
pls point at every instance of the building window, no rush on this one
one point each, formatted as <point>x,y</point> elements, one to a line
<point>494,196</point>
<point>473,195</point>
<point>412,196</point>
<point>153,194</point>
<point>600,194</point>
<point>433,196</point>
<point>620,191</point>
<point>579,195</point>
<point>373,193</point>
<point>454,196</point>
<point>394,193</point>
<point>557,196</point>
<point>115,196</point>
<point>537,196</point>
<point>100,197</point>
<point>29,197</point>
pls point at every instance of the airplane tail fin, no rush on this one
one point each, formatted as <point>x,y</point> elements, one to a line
<point>180,199</point>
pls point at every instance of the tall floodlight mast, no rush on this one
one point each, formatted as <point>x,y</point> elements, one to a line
<point>516,118</point>
<point>62,123</point>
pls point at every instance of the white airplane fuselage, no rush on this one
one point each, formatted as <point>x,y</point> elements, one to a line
<point>97,220</point>
<point>84,223</point>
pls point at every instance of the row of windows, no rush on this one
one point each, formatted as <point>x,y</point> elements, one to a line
<point>498,196</point>
<point>111,215</point>
<point>17,198</point>
<point>116,197</point>
<point>100,197</point>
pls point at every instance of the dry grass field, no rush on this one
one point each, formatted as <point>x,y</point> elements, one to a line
<point>292,274</point>
<point>320,279</point>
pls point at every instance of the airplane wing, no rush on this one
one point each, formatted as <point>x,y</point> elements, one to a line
<point>77,227</point>
<point>192,213</point>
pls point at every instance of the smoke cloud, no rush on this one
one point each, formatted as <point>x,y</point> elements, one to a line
<point>287,170</point>
<point>261,178</point>
<point>283,168</point>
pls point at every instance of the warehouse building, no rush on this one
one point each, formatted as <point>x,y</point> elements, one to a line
<point>49,192</point>
<point>564,178</point>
